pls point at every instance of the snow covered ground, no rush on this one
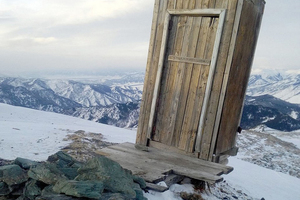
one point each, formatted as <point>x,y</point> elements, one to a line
<point>36,135</point>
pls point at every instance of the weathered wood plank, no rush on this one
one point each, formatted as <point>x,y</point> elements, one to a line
<point>214,23</point>
<point>189,60</point>
<point>159,74</point>
<point>182,92</point>
<point>166,105</point>
<point>226,76</point>
<point>153,165</point>
<point>199,52</point>
<point>173,179</point>
<point>240,70</point>
<point>209,87</point>
<point>166,83</point>
<point>196,12</point>
<point>178,96</point>
<point>141,133</point>
<point>218,77</point>
<point>168,156</point>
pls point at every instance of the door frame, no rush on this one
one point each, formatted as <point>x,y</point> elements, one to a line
<point>221,13</point>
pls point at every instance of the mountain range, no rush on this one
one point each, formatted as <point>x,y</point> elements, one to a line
<point>115,99</point>
<point>281,85</point>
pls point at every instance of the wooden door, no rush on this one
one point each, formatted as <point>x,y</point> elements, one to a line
<point>188,58</point>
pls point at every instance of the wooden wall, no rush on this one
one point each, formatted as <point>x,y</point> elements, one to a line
<point>229,79</point>
<point>249,26</point>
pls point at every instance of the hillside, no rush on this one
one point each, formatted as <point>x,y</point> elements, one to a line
<point>281,85</point>
<point>36,135</point>
<point>114,99</point>
<point>270,111</point>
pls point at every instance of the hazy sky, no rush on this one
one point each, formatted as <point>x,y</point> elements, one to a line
<point>49,35</point>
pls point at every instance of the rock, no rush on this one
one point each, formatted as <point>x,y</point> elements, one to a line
<point>89,189</point>
<point>46,173</point>
<point>113,196</point>
<point>24,163</point>
<point>115,178</point>
<point>140,181</point>
<point>66,164</point>
<point>32,189</point>
<point>4,189</point>
<point>17,190</point>
<point>48,190</point>
<point>12,174</point>
<point>63,160</point>
<point>55,197</point>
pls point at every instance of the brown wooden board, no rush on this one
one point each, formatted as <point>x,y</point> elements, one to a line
<point>239,74</point>
<point>154,165</point>
<point>207,133</point>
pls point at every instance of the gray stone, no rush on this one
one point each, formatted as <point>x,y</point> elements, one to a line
<point>12,174</point>
<point>70,173</point>
<point>46,173</point>
<point>63,160</point>
<point>115,178</point>
<point>66,164</point>
<point>89,189</point>
<point>113,196</point>
<point>17,190</point>
<point>140,181</point>
<point>4,189</point>
<point>24,163</point>
<point>48,190</point>
<point>32,189</point>
<point>56,197</point>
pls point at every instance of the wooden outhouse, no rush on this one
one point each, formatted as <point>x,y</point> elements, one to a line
<point>199,62</point>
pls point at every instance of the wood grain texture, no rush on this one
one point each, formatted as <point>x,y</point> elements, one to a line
<point>153,165</point>
<point>247,36</point>
<point>151,70</point>
<point>208,127</point>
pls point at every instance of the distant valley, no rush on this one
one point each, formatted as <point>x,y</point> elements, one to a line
<point>115,100</point>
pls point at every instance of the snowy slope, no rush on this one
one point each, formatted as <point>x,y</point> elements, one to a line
<point>260,182</point>
<point>281,85</point>
<point>36,135</point>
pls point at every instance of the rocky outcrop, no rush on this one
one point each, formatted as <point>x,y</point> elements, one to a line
<point>64,178</point>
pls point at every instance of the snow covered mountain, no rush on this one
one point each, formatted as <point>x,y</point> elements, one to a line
<point>114,99</point>
<point>120,115</point>
<point>270,111</point>
<point>280,84</point>
<point>115,103</point>
<point>53,91</point>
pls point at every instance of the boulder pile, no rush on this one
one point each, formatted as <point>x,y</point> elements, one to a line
<point>62,177</point>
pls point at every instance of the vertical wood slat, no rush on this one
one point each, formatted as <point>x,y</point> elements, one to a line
<point>203,85</point>
<point>218,78</point>
<point>210,78</point>
<point>194,103</point>
<point>201,41</point>
<point>154,47</point>
<point>176,73</point>
<point>181,88</point>
<point>163,113</point>
<point>226,76</point>
<point>247,35</point>
<point>141,134</point>
<point>165,83</point>
<point>159,72</point>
